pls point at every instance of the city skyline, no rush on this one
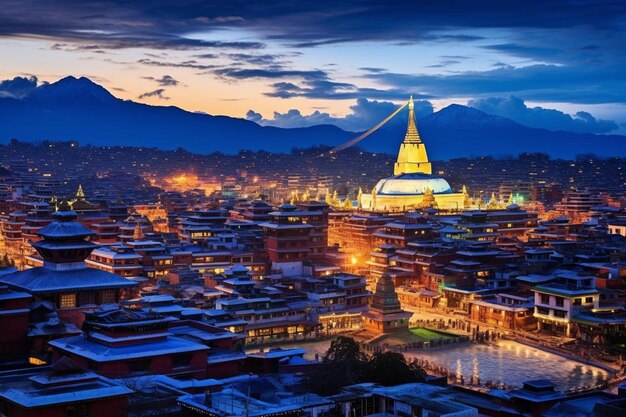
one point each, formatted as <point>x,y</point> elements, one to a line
<point>311,66</point>
<point>352,208</point>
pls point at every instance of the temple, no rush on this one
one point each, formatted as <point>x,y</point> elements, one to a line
<point>413,186</point>
<point>64,281</point>
<point>385,315</point>
<point>412,156</point>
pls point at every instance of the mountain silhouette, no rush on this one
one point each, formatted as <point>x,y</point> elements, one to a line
<point>81,110</point>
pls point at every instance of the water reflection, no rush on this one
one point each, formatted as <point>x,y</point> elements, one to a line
<point>504,361</point>
<point>512,363</point>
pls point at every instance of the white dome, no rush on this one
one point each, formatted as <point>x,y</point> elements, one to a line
<point>412,184</point>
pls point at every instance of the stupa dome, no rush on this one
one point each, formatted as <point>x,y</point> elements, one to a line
<point>412,184</point>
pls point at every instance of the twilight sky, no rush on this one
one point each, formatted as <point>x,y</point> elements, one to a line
<point>553,64</point>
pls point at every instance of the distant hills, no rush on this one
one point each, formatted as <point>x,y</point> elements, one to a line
<point>79,109</point>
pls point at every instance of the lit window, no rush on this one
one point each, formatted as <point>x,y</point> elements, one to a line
<point>67,301</point>
<point>36,361</point>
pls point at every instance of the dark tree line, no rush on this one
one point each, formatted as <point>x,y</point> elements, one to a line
<point>346,364</point>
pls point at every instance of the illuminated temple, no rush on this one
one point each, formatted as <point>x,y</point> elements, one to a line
<point>413,185</point>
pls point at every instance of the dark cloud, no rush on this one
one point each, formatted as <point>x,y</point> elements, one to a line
<point>364,114</point>
<point>254,116</point>
<point>161,24</point>
<point>269,73</point>
<point>583,41</point>
<point>558,83</point>
<point>206,56</point>
<point>256,59</point>
<point>18,87</point>
<point>526,51</point>
<point>164,81</point>
<point>193,64</point>
<point>220,20</point>
<point>314,84</point>
<point>373,70</point>
<point>444,63</point>
<point>327,89</point>
<point>514,108</point>
<point>158,93</point>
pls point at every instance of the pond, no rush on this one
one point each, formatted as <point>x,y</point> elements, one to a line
<point>504,361</point>
<point>511,363</point>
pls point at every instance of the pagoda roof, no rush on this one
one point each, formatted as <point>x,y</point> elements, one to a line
<point>43,280</point>
<point>46,244</point>
<point>52,389</point>
<point>64,229</point>
<point>98,352</point>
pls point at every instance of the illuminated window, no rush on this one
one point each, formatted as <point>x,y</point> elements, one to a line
<point>35,361</point>
<point>67,301</point>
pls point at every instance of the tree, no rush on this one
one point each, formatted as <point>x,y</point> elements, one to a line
<point>342,365</point>
<point>345,364</point>
<point>344,349</point>
<point>391,368</point>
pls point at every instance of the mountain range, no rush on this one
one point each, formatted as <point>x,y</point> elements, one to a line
<point>81,110</point>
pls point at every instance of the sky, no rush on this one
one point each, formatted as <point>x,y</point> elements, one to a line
<point>557,64</point>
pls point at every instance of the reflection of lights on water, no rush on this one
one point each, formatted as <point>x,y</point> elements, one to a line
<point>503,361</point>
<point>459,369</point>
<point>475,370</point>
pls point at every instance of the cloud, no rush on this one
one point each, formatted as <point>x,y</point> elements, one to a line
<point>331,90</point>
<point>364,114</point>
<point>18,87</point>
<point>445,63</point>
<point>220,20</point>
<point>542,82</point>
<point>514,108</point>
<point>374,70</point>
<point>159,25</point>
<point>164,81</point>
<point>155,93</point>
<point>255,59</point>
<point>314,84</point>
<point>254,116</point>
<point>572,51</point>
<point>193,64</point>
<point>270,73</point>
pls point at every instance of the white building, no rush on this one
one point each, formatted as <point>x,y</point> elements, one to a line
<point>557,303</point>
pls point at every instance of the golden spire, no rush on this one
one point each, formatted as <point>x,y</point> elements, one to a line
<point>412,135</point>
<point>138,232</point>
<point>79,193</point>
